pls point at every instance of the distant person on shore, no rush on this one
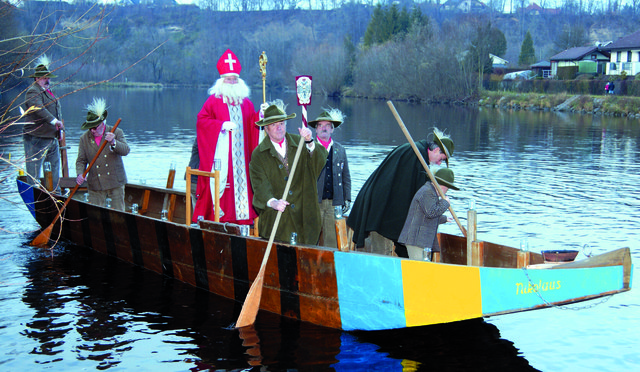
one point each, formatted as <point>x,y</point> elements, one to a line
<point>44,117</point>
<point>420,231</point>
<point>612,88</point>
<point>106,178</point>
<point>606,88</point>
<point>270,168</point>
<point>381,207</point>
<point>227,131</point>
<point>334,183</point>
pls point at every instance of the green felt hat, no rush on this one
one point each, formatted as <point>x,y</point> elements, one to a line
<point>444,142</point>
<point>96,113</point>
<point>42,71</point>
<point>274,114</point>
<point>445,177</point>
<point>334,116</point>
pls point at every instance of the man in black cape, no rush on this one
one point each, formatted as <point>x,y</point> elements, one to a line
<point>383,201</point>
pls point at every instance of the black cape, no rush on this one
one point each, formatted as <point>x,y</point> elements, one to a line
<point>383,201</point>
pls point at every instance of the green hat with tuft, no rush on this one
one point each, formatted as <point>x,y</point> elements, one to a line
<point>445,143</point>
<point>334,116</point>
<point>273,114</point>
<point>42,68</point>
<point>96,113</point>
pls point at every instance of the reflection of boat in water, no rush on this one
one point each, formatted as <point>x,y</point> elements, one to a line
<point>328,287</point>
<point>119,309</point>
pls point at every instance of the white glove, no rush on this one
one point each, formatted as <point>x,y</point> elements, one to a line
<point>263,107</point>
<point>229,125</point>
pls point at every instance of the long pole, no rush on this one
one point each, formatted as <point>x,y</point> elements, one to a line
<point>424,163</point>
<point>43,238</point>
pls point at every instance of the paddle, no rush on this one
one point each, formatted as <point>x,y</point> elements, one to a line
<point>43,238</point>
<point>252,302</point>
<point>424,164</point>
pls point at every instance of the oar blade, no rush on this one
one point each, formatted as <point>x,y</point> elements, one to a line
<point>251,305</point>
<point>43,238</point>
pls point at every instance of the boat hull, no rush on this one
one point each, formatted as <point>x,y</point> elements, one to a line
<point>343,290</point>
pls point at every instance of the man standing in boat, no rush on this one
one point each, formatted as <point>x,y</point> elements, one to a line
<point>44,117</point>
<point>270,168</point>
<point>334,183</point>
<point>226,135</point>
<point>426,213</point>
<point>381,207</point>
<point>107,178</point>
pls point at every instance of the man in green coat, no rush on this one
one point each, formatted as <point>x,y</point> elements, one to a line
<point>269,170</point>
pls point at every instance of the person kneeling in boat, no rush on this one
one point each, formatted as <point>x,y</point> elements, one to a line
<point>107,178</point>
<point>420,231</point>
<point>269,169</point>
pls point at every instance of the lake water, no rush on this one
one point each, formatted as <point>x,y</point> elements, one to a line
<point>559,180</point>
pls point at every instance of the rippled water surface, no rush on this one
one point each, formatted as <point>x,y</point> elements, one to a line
<point>561,181</point>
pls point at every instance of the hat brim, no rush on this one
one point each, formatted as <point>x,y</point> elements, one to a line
<point>92,124</point>
<point>314,123</point>
<point>49,75</point>
<point>274,119</point>
<point>446,183</point>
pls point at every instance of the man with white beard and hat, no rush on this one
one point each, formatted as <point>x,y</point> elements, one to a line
<point>227,130</point>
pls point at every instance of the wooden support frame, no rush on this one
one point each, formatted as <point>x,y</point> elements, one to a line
<point>216,176</point>
<point>341,234</point>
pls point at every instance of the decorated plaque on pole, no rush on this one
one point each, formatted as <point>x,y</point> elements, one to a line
<point>303,92</point>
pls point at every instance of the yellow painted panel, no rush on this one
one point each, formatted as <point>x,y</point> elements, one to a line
<point>436,293</point>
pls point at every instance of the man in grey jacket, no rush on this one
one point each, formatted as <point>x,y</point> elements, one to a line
<point>426,212</point>
<point>334,183</point>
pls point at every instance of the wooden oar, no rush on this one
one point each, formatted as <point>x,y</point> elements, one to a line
<point>43,238</point>
<point>424,164</point>
<point>252,302</point>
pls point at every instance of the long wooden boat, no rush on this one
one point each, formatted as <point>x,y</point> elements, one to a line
<point>347,290</point>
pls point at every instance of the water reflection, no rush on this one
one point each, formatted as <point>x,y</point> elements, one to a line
<point>107,313</point>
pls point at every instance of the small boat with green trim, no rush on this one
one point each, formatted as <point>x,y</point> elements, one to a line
<point>337,288</point>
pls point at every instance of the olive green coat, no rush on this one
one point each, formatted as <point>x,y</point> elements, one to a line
<point>269,178</point>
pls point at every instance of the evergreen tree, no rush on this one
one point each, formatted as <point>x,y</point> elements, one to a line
<point>527,53</point>
<point>387,23</point>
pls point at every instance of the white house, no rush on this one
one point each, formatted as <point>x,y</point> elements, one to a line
<point>625,55</point>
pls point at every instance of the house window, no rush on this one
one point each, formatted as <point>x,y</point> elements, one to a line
<point>629,56</point>
<point>618,56</point>
<point>593,56</point>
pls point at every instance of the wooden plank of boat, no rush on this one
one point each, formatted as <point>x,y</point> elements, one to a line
<point>346,290</point>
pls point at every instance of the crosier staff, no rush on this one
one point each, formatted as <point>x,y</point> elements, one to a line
<point>262,61</point>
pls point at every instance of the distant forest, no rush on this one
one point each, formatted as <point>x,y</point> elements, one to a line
<point>406,50</point>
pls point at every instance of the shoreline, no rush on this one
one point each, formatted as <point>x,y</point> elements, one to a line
<point>609,105</point>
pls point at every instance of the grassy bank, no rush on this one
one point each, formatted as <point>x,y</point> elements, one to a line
<point>598,105</point>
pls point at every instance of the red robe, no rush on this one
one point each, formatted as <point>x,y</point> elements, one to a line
<point>215,112</point>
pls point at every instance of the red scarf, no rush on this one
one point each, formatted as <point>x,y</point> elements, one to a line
<point>325,144</point>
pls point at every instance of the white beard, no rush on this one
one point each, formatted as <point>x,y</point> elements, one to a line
<point>230,93</point>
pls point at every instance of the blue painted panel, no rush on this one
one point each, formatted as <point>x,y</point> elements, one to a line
<point>26,193</point>
<point>512,289</point>
<point>369,291</point>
